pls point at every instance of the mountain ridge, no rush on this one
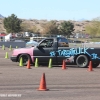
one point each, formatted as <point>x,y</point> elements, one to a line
<point>79,26</point>
<point>1,16</point>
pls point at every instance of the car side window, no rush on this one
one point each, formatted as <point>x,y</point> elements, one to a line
<point>47,43</point>
<point>63,42</point>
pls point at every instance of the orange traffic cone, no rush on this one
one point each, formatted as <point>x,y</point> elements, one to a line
<point>28,64</point>
<point>64,65</point>
<point>43,83</point>
<point>90,66</point>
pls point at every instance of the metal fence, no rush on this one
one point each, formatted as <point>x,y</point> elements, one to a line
<point>13,44</point>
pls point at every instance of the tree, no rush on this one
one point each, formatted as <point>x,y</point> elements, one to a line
<point>66,28</point>
<point>12,24</point>
<point>50,28</point>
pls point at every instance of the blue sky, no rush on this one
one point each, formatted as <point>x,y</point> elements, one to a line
<point>51,9</point>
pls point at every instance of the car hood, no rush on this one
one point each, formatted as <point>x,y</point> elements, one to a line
<point>27,50</point>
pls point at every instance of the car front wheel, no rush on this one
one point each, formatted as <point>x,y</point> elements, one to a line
<point>25,58</point>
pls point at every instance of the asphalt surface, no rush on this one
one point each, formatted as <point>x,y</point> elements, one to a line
<point>73,83</point>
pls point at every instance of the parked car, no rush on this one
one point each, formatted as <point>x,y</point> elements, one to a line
<point>31,43</point>
<point>55,49</point>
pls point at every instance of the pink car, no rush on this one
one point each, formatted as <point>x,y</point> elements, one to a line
<point>44,50</point>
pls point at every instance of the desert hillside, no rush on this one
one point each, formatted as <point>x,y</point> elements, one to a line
<point>78,25</point>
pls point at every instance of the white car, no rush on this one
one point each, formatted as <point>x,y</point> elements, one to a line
<point>31,43</point>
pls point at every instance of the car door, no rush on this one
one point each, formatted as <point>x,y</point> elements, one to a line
<point>42,52</point>
<point>63,51</point>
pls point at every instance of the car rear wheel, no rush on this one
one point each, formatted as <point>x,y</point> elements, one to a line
<point>82,61</point>
<point>25,58</point>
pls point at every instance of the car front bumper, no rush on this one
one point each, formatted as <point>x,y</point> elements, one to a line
<point>13,58</point>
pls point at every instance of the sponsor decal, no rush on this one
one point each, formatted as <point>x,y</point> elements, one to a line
<point>74,51</point>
